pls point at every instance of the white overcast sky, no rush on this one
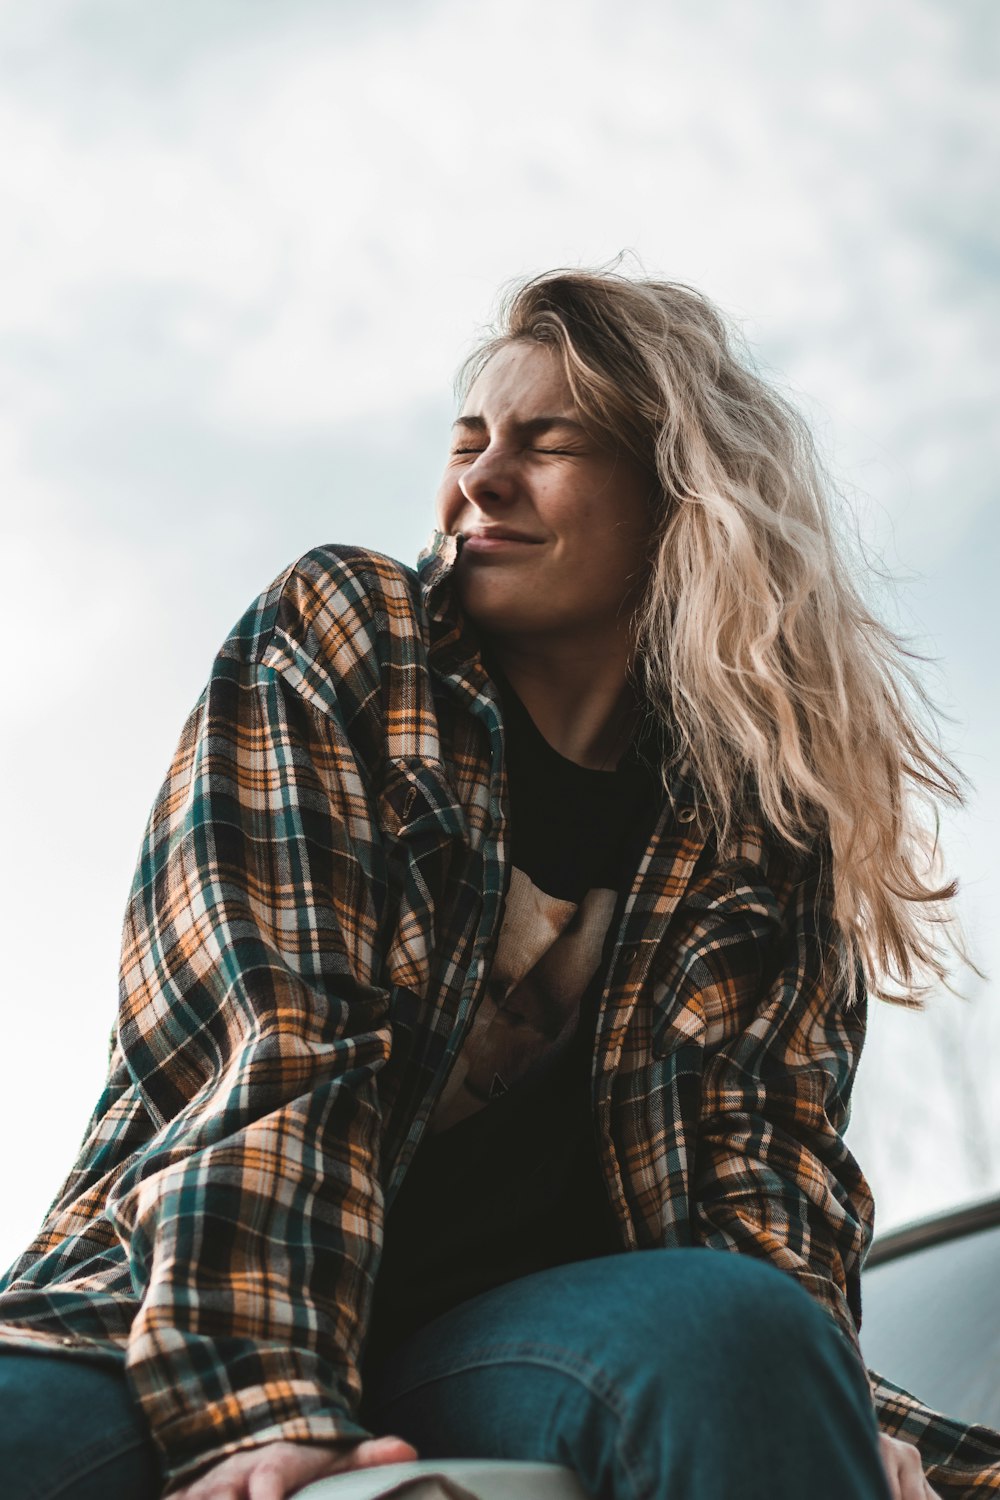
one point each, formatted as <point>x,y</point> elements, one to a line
<point>243,248</point>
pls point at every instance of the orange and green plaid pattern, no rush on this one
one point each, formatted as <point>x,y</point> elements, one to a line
<point>314,911</point>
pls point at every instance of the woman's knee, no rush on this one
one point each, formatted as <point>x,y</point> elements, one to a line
<point>735,1292</point>
<point>665,1298</point>
<point>724,1319</point>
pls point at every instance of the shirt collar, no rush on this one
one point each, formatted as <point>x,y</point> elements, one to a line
<point>453,640</point>
<point>435,565</point>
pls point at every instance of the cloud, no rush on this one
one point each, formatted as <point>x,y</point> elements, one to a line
<point>319,203</point>
<point>246,246</point>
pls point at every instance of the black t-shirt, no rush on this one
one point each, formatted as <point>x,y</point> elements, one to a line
<point>506,1178</point>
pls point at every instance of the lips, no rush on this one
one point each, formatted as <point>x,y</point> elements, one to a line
<point>496,538</point>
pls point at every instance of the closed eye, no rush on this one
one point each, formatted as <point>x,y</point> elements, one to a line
<point>568,451</point>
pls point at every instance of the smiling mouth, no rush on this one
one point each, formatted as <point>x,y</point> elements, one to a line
<point>496,542</point>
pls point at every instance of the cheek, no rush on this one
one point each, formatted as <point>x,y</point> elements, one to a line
<point>606,556</point>
<point>592,533</point>
<point>446,504</point>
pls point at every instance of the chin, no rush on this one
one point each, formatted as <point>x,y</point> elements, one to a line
<point>491,606</point>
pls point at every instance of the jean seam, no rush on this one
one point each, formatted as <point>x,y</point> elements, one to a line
<point>78,1467</point>
<point>565,1362</point>
<point>532,1350</point>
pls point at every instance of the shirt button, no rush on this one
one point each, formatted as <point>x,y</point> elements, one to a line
<point>687,815</point>
<point>68,1341</point>
<point>630,955</point>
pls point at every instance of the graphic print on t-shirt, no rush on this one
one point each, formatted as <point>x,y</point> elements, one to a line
<point>548,951</point>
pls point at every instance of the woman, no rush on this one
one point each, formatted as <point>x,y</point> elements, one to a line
<point>499,946</point>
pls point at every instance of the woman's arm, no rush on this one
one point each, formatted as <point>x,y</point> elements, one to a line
<point>253,1026</point>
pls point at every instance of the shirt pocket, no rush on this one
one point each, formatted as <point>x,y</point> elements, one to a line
<point>709,972</point>
<point>424,832</point>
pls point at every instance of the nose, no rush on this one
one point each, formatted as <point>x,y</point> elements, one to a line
<point>488,479</point>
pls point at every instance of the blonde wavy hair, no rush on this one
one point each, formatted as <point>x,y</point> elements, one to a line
<point>781,688</point>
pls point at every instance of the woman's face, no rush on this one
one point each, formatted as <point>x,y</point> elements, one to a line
<point>556,524</point>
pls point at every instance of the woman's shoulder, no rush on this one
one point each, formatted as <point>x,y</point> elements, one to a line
<point>356,582</point>
<point>337,614</point>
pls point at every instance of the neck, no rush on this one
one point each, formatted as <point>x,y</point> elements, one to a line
<point>579,696</point>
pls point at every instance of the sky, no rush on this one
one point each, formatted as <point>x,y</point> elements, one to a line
<point>243,249</point>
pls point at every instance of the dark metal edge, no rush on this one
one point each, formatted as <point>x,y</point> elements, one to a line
<point>934,1230</point>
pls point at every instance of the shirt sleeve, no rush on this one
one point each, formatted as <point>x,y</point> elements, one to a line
<point>253,1025</point>
<point>774,1177</point>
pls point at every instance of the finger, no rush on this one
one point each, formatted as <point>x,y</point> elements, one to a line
<point>318,1463</point>
<point>887,1453</point>
<point>381,1450</point>
<point>912,1485</point>
<point>267,1482</point>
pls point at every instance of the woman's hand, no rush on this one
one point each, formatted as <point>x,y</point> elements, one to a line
<point>279,1469</point>
<point>904,1470</point>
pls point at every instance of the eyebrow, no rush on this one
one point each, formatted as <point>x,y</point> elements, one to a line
<point>535,425</point>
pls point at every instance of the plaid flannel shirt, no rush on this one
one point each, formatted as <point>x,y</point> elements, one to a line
<point>314,910</point>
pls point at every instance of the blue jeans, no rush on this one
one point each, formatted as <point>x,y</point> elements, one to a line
<point>69,1427</point>
<point>656,1375</point>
